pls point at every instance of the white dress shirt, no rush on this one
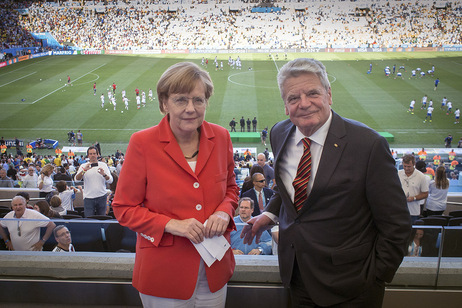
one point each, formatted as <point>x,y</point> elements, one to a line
<point>289,160</point>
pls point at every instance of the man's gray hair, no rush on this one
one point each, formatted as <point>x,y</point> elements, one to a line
<point>19,197</point>
<point>302,66</point>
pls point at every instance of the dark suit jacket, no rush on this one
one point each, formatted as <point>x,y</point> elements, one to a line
<point>355,224</point>
<point>252,195</point>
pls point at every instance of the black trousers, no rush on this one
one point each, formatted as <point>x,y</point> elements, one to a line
<point>371,297</point>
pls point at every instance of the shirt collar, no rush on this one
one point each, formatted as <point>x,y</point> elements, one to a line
<point>319,136</point>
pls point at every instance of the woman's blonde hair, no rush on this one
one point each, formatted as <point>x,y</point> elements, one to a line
<point>48,169</point>
<point>182,78</point>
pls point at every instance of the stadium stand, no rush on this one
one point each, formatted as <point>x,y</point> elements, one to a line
<point>154,25</point>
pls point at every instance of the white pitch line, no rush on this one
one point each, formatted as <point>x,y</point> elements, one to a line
<point>17,79</point>
<point>274,61</point>
<point>66,84</point>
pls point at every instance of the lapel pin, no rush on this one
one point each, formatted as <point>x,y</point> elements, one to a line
<point>336,145</point>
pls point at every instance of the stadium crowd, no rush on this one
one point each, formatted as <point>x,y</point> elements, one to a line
<point>192,25</point>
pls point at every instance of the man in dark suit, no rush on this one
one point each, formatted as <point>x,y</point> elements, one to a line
<point>259,193</point>
<point>348,234</point>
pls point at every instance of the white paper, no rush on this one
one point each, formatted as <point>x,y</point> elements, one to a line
<point>212,249</point>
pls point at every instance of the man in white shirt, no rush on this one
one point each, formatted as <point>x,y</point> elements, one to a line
<point>95,176</point>
<point>414,184</point>
<point>30,179</point>
<point>25,235</point>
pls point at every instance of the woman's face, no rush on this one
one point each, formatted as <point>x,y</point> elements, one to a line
<point>186,110</point>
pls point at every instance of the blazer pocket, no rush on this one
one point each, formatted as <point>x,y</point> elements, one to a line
<point>353,254</point>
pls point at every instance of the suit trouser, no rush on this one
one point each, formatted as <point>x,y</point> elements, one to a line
<point>371,297</point>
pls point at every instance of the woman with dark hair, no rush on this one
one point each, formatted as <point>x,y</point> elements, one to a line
<point>44,208</point>
<point>415,245</point>
<point>438,193</point>
<point>177,189</point>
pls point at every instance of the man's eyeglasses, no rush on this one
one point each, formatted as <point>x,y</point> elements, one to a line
<point>261,181</point>
<point>183,101</point>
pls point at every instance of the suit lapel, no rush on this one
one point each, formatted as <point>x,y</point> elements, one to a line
<point>280,143</point>
<point>206,146</point>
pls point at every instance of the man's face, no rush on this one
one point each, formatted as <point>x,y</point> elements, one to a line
<point>63,237</point>
<point>92,155</point>
<point>408,168</point>
<point>18,206</point>
<point>30,171</point>
<point>259,182</point>
<point>307,102</point>
<point>245,210</point>
<point>2,173</point>
<point>261,160</point>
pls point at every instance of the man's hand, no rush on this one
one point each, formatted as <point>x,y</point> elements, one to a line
<point>190,228</point>
<point>255,227</point>
<point>38,246</point>
<point>9,245</point>
<point>255,252</point>
<point>237,252</point>
<point>217,224</point>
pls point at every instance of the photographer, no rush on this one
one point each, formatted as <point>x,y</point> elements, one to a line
<point>95,177</point>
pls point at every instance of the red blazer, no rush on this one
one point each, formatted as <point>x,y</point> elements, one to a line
<point>155,185</point>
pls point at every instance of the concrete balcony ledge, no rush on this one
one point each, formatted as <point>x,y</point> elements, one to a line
<point>118,267</point>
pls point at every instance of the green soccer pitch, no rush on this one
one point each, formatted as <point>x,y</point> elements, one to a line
<point>36,102</point>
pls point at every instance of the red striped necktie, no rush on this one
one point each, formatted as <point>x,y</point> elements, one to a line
<point>300,182</point>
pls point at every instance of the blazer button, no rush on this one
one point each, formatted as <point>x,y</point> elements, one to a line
<point>196,185</point>
<point>198,207</point>
<point>291,245</point>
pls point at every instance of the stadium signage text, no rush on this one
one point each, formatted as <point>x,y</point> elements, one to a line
<point>62,52</point>
<point>12,143</point>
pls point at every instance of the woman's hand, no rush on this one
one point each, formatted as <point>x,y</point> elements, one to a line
<point>190,228</point>
<point>217,224</point>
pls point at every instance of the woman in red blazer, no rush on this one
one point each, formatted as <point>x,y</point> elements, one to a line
<point>176,176</point>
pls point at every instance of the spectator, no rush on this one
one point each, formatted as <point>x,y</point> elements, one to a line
<point>438,193</point>
<point>30,179</point>
<point>56,206</point>
<point>43,207</point>
<point>95,177</point>
<point>4,180</point>
<point>67,195</point>
<point>415,246</point>
<point>414,185</point>
<point>45,183</point>
<point>248,183</point>
<point>25,235</point>
<point>26,196</point>
<point>64,239</point>
<point>62,175</point>
<point>245,208</point>
<point>268,171</point>
<point>259,194</point>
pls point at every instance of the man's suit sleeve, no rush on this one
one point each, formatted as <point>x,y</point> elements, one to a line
<point>389,210</point>
<point>274,204</point>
